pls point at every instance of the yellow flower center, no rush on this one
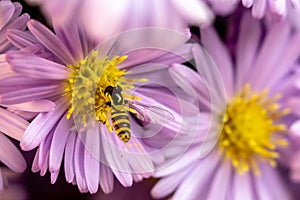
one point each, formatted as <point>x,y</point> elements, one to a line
<point>251,131</point>
<point>86,86</point>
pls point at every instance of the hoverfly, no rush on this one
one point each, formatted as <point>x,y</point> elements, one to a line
<point>120,116</point>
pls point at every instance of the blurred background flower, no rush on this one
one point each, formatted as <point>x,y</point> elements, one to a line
<point>104,18</point>
<point>254,126</point>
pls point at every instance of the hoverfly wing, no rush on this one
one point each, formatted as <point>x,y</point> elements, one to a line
<point>152,114</point>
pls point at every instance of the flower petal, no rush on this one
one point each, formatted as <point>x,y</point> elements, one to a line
<point>58,143</point>
<point>36,67</point>
<point>50,41</point>
<point>42,125</point>
<point>10,155</point>
<point>12,125</point>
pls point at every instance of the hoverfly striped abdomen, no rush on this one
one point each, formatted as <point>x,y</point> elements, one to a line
<point>119,115</point>
<point>121,124</point>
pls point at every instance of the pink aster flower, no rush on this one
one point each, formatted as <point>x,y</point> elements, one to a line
<point>84,94</point>
<point>103,18</point>
<point>253,120</point>
<point>10,19</point>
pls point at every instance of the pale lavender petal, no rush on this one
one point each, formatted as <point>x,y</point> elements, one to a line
<point>181,55</point>
<point>247,3</point>
<point>187,78</point>
<point>279,7</point>
<point>36,67</point>
<point>51,41</point>
<point>34,106</point>
<point>91,165</point>
<point>189,188</point>
<point>29,94</point>
<point>167,185</point>
<point>42,125</point>
<point>220,87</point>
<point>20,39</point>
<point>139,160</point>
<point>195,12</point>
<point>262,190</point>
<point>35,163</point>
<point>59,140</point>
<point>285,63</point>
<point>220,56</point>
<point>69,33</point>
<point>54,176</point>
<point>69,157</point>
<point>79,166</point>
<point>60,12</point>
<point>116,160</point>
<point>187,159</point>
<point>92,158</point>
<point>106,179</point>
<point>221,181</point>
<point>271,49</point>
<point>278,188</point>
<point>259,8</point>
<point>7,11</point>
<point>104,13</point>
<point>10,155</point>
<point>247,45</point>
<point>12,125</point>
<point>43,159</point>
<point>242,186</point>
<point>19,23</point>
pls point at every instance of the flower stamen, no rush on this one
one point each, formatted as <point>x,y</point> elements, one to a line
<point>249,130</point>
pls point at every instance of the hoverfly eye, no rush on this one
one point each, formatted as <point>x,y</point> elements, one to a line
<point>108,90</point>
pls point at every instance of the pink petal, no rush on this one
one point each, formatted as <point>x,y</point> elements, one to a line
<point>106,179</point>
<point>196,181</point>
<point>59,140</point>
<point>268,55</point>
<point>51,41</point>
<point>79,166</point>
<point>12,125</point>
<point>247,45</point>
<point>69,157</point>
<point>29,94</point>
<point>10,155</point>
<point>220,56</point>
<point>242,186</point>
<point>36,67</point>
<point>34,106</point>
<point>92,158</point>
<point>259,8</point>
<point>167,185</point>
<point>221,182</point>
<point>195,12</point>
<point>20,39</point>
<point>42,125</point>
<point>6,10</point>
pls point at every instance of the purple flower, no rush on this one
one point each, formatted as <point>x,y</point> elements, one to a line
<point>10,124</point>
<point>103,18</point>
<point>10,19</point>
<point>84,94</point>
<point>253,120</point>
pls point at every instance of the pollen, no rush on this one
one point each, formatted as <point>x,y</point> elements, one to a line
<point>251,130</point>
<point>86,85</point>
